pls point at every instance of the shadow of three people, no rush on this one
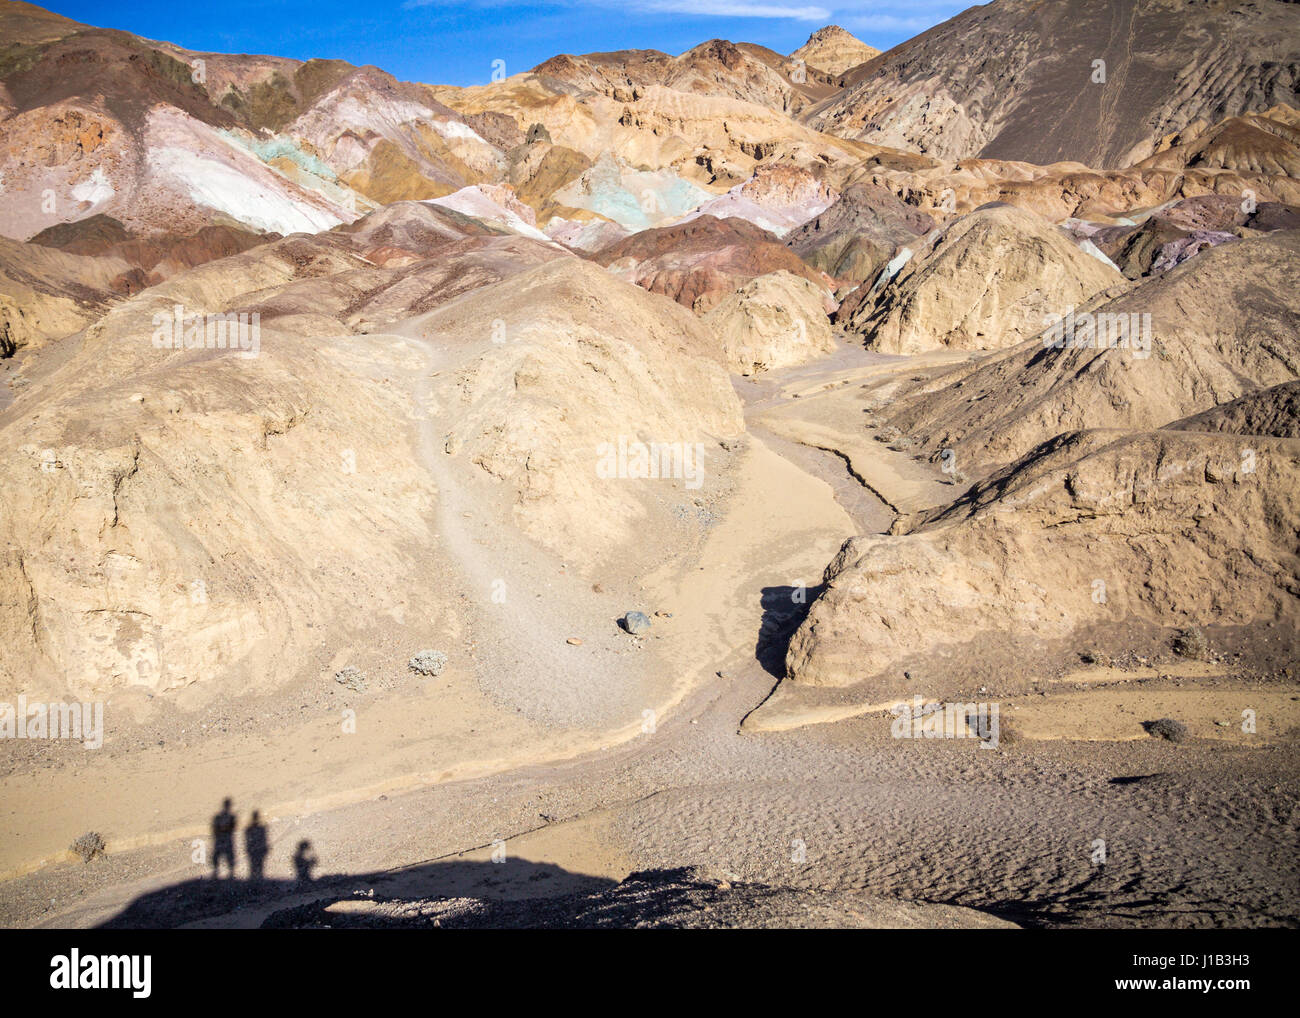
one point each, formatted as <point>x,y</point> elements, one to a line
<point>256,847</point>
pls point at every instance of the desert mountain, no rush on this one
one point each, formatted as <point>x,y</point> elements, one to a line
<point>1015,79</point>
<point>986,281</point>
<point>719,68</point>
<point>834,49</point>
<point>133,506</point>
<point>430,467</point>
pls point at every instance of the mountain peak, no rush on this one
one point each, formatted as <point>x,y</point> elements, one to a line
<point>834,49</point>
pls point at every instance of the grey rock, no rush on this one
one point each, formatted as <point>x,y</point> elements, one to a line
<point>636,622</point>
<point>428,662</point>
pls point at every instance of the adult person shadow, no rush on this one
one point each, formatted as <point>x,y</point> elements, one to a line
<point>304,861</point>
<point>223,841</point>
<point>256,847</point>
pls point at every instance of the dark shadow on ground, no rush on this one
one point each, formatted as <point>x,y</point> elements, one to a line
<point>519,894</point>
<point>458,891</point>
<point>784,609</point>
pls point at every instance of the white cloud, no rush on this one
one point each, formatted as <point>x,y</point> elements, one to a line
<point>697,8</point>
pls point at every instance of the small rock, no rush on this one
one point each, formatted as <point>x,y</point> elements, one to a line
<point>573,641</point>
<point>1166,728</point>
<point>89,845</point>
<point>428,662</point>
<point>351,677</point>
<point>636,622</point>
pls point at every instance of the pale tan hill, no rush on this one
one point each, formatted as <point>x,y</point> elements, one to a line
<point>46,294</point>
<point>1193,355</point>
<point>834,49</point>
<point>585,362</point>
<point>773,321</point>
<point>1014,79</point>
<point>987,281</point>
<point>196,518</point>
<point>188,516</point>
<point>1099,541</point>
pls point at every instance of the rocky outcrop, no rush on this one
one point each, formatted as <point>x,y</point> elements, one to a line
<point>777,198</point>
<point>987,281</point>
<point>1274,411</point>
<point>1180,355</point>
<point>853,239</point>
<point>773,321</point>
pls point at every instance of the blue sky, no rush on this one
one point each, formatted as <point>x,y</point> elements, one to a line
<point>455,41</point>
